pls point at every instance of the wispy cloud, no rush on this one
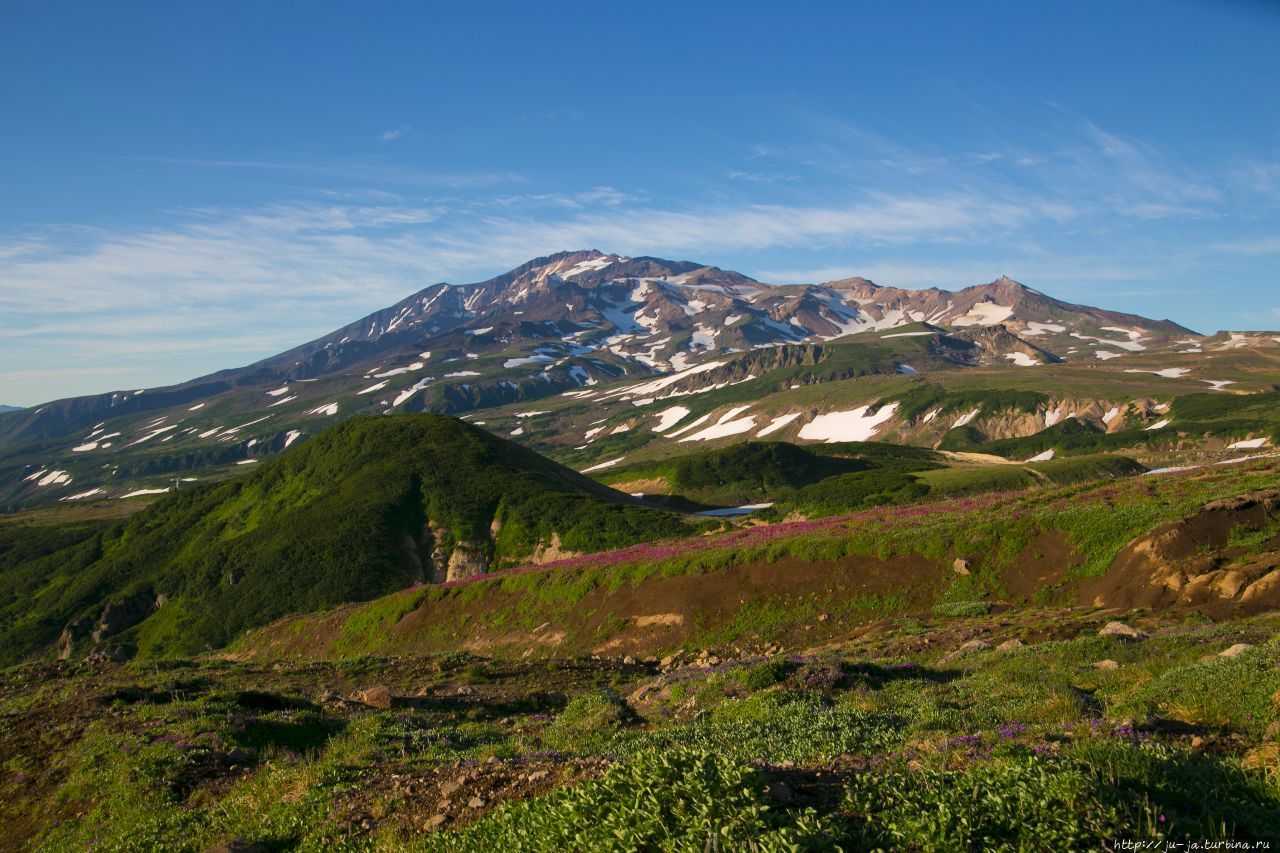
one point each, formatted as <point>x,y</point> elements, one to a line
<point>325,250</point>
<point>216,286</point>
<point>393,134</point>
<point>762,177</point>
<point>1249,247</point>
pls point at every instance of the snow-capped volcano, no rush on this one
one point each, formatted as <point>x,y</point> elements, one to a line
<point>567,325</point>
<point>658,315</point>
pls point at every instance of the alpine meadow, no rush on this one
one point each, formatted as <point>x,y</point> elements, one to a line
<point>713,428</point>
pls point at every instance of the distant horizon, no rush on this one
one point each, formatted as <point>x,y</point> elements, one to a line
<point>290,345</point>
<point>188,187</point>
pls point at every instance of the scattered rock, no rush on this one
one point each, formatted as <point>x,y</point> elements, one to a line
<point>475,803</point>
<point>1263,586</point>
<point>1234,650</point>
<point>1121,631</point>
<point>667,661</point>
<point>968,648</point>
<point>451,787</point>
<point>436,821</point>
<point>822,617</point>
<point>538,775</point>
<point>376,697</point>
<point>108,654</point>
<point>961,566</point>
<point>629,661</point>
<point>1106,664</point>
<point>1010,645</point>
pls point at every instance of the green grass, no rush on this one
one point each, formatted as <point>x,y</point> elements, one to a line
<point>662,800</point>
<point>1015,750</point>
<point>352,514</point>
<point>991,530</point>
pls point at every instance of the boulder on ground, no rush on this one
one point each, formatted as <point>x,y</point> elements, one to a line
<point>961,566</point>
<point>1121,631</point>
<point>1010,645</point>
<point>1232,651</point>
<point>967,649</point>
<point>376,697</point>
<point>1106,664</point>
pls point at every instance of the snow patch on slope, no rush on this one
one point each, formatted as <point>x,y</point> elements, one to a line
<point>670,417</point>
<point>853,425</point>
<point>778,423</point>
<point>729,424</point>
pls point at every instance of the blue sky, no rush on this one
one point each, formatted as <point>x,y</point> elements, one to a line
<point>186,187</point>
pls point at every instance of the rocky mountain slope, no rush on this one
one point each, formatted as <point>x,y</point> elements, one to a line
<point>608,333</point>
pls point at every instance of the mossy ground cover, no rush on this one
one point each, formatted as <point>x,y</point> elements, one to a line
<point>888,741</point>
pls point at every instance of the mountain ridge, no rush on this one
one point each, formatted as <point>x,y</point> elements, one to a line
<point>548,268</point>
<point>562,325</point>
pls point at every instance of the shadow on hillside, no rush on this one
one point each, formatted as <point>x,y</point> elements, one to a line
<point>875,676</point>
<point>481,707</point>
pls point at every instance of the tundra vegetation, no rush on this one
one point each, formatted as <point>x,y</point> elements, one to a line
<point>904,652</point>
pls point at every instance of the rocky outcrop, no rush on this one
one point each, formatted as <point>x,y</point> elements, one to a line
<point>72,634</point>
<point>115,618</point>
<point>121,615</point>
<point>466,561</point>
<point>1190,563</point>
<point>550,550</point>
<point>434,538</point>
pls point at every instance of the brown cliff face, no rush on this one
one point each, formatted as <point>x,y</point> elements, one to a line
<point>1192,563</point>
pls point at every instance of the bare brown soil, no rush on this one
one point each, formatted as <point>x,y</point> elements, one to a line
<point>1189,564</point>
<point>1041,565</point>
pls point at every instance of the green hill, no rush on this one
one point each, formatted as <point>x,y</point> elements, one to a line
<point>368,507</point>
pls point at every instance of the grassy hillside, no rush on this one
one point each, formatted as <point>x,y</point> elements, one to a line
<point>369,507</point>
<point>770,583</point>
<point>760,471</point>
<point>785,687</point>
<point>825,479</point>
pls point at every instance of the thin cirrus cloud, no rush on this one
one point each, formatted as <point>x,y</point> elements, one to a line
<point>311,251</point>
<point>218,286</point>
<point>229,285</point>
